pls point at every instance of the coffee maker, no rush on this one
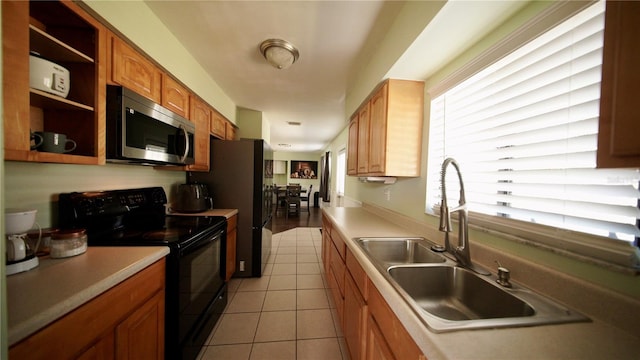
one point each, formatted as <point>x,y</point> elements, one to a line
<point>20,254</point>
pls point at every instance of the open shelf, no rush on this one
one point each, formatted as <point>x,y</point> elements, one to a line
<point>53,49</point>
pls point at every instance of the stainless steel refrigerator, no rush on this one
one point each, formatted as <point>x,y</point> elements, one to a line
<point>241,177</point>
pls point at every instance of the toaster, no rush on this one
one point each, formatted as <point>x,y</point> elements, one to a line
<point>48,76</point>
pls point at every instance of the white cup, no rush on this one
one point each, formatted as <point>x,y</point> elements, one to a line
<point>16,248</point>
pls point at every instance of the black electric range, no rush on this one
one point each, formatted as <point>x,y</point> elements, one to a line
<point>196,293</point>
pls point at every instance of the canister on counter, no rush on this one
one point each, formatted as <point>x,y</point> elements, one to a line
<point>69,242</point>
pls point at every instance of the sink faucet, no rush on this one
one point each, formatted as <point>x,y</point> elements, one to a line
<point>461,252</point>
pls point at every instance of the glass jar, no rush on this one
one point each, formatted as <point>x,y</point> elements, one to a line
<point>66,243</point>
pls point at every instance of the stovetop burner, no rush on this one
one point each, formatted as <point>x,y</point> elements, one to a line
<point>131,217</point>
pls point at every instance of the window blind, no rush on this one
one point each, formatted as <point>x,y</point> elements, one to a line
<point>524,131</point>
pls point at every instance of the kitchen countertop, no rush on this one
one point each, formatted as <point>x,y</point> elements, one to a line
<point>211,212</point>
<point>589,340</point>
<point>37,297</point>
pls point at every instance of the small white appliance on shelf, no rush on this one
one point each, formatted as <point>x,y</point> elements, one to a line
<point>48,76</point>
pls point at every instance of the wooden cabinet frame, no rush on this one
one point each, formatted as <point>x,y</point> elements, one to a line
<point>63,33</point>
<point>619,125</point>
<point>388,140</point>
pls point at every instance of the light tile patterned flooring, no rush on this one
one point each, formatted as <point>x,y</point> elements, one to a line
<point>288,313</point>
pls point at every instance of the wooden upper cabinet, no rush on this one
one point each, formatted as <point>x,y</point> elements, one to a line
<point>364,118</point>
<point>15,76</point>
<point>218,125</point>
<point>63,33</point>
<point>201,117</point>
<point>352,148</point>
<point>175,97</point>
<point>231,131</point>
<point>390,130</point>
<point>619,127</point>
<point>132,70</point>
<point>378,131</point>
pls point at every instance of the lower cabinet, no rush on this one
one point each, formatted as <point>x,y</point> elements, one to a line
<point>377,347</point>
<point>354,319</point>
<point>389,329</point>
<point>371,329</point>
<point>126,322</point>
<point>230,260</point>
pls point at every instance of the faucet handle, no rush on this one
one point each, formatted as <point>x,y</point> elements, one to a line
<point>445,217</point>
<point>503,275</point>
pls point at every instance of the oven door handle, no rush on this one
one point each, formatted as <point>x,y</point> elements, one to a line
<point>198,243</point>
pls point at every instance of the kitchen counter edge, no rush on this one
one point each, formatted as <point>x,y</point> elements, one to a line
<point>211,212</point>
<point>56,287</point>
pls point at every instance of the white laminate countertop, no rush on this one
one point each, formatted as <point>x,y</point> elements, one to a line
<point>589,340</point>
<point>57,286</point>
<point>211,212</point>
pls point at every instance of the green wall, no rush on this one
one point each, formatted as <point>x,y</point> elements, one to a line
<point>290,155</point>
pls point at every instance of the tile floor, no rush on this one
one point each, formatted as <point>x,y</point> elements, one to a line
<point>286,314</point>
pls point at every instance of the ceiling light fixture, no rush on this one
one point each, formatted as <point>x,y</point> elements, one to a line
<point>279,53</point>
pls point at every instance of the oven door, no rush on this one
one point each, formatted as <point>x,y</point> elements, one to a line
<point>201,294</point>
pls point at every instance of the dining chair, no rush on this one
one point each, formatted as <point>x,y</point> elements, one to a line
<point>304,197</point>
<point>281,198</point>
<point>292,200</point>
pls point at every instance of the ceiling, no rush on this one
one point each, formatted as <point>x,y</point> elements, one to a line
<point>224,37</point>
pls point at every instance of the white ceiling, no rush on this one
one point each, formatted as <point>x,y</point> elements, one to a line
<point>224,37</point>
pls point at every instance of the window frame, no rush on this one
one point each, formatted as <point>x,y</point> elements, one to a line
<point>611,253</point>
<point>341,174</point>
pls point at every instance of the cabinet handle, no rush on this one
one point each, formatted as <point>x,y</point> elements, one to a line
<point>186,142</point>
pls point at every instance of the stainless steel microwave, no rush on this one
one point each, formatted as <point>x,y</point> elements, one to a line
<point>140,131</point>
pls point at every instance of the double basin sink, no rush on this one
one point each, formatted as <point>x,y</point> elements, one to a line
<point>447,297</point>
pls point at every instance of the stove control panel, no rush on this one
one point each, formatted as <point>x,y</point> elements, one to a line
<point>93,204</point>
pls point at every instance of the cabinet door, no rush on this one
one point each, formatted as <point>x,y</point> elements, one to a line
<point>141,335</point>
<point>352,148</point>
<point>395,336</point>
<point>103,349</point>
<point>230,131</point>
<point>618,144</point>
<point>378,131</point>
<point>355,312</point>
<point>363,139</point>
<point>218,125</point>
<point>377,347</point>
<point>232,225</point>
<point>201,117</point>
<point>132,70</point>
<point>175,97</point>
<point>326,243</point>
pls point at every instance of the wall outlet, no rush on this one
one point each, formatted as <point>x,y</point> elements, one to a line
<point>387,194</point>
<point>241,265</point>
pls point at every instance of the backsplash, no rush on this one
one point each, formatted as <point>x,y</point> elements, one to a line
<point>37,185</point>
